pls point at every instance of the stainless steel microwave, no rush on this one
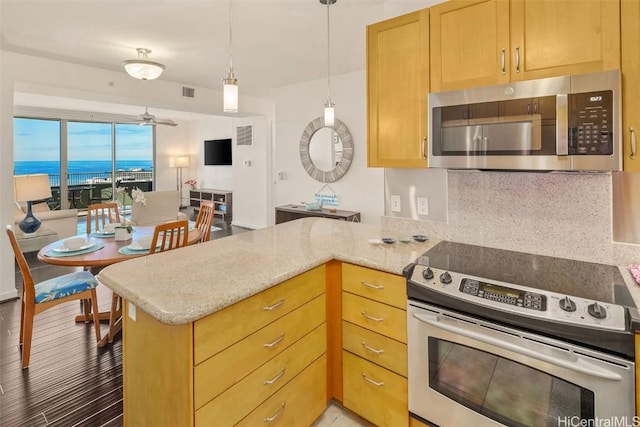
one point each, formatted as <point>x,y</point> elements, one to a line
<point>571,123</point>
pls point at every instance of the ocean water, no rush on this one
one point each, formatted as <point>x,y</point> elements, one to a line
<point>79,170</point>
<point>79,166</point>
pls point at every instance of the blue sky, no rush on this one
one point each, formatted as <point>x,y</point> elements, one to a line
<point>40,140</point>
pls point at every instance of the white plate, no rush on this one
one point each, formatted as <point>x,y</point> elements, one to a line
<point>106,232</point>
<point>137,247</point>
<point>81,248</point>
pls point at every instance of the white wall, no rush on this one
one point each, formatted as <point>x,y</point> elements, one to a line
<point>28,74</point>
<point>362,188</point>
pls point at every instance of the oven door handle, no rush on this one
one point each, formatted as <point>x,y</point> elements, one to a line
<point>574,363</point>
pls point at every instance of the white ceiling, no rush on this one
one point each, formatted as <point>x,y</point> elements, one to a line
<point>275,42</point>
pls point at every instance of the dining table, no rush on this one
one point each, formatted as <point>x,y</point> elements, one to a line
<point>102,250</point>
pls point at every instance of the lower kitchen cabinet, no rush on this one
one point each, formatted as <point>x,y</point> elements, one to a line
<point>375,393</point>
<point>374,337</point>
<point>224,368</point>
<point>299,403</point>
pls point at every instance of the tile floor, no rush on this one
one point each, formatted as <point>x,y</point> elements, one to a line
<point>337,416</point>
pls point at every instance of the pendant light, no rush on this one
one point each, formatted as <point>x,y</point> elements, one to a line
<point>230,83</point>
<point>329,112</point>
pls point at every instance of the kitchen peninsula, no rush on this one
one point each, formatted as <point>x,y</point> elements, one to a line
<point>261,325</point>
<point>185,307</point>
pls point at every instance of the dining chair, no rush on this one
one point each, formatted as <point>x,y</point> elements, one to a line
<point>100,214</point>
<point>171,235</point>
<point>205,219</point>
<point>38,297</point>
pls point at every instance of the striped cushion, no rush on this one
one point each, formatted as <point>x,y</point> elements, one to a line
<point>62,286</point>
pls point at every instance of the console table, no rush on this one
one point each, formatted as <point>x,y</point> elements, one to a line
<point>290,212</point>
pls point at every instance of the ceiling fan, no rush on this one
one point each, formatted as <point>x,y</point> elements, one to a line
<point>147,119</point>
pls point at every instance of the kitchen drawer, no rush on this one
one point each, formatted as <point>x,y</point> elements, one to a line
<point>374,393</point>
<point>376,348</point>
<point>226,368</point>
<point>299,403</point>
<point>381,318</point>
<point>228,326</point>
<point>376,285</point>
<point>238,401</point>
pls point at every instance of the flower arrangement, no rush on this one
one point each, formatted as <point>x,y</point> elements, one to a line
<point>138,196</point>
<point>192,183</point>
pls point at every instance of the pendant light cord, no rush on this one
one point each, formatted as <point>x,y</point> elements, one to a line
<point>231,35</point>
<point>328,57</point>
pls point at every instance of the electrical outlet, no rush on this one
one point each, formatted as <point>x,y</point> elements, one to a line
<point>423,206</point>
<point>395,204</point>
<point>132,311</point>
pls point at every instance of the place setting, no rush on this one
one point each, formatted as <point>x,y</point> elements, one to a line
<point>74,246</point>
<point>140,246</point>
<point>109,230</point>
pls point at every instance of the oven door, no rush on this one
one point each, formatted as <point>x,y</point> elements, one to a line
<point>463,371</point>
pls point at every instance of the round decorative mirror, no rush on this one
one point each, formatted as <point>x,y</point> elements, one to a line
<point>326,152</point>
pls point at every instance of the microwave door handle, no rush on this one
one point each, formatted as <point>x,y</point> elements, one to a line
<point>574,362</point>
<point>562,129</point>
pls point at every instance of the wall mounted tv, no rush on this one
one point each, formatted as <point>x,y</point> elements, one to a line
<point>217,152</point>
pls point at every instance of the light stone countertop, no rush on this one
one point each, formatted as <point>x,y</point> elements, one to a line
<point>187,284</point>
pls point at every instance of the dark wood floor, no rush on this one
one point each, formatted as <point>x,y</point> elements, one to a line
<point>70,381</point>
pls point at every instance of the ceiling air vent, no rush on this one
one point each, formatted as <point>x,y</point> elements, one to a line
<point>244,135</point>
<point>189,92</point>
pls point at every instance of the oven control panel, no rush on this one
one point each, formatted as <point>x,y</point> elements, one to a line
<point>521,300</point>
<point>504,294</point>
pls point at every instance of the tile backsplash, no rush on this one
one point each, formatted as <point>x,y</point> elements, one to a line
<point>567,215</point>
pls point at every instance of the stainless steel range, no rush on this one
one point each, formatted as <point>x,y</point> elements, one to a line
<point>498,337</point>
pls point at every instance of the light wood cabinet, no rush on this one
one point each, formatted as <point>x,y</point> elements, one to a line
<point>192,374</point>
<point>630,30</point>
<point>374,336</point>
<point>484,42</point>
<point>375,393</point>
<point>397,88</point>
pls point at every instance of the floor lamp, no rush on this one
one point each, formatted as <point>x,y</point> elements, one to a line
<point>179,162</point>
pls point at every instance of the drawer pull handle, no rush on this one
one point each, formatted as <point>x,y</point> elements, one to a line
<point>271,344</point>
<point>274,306</point>
<point>371,349</point>
<point>632,139</point>
<point>370,317</point>
<point>277,414</point>
<point>276,378</point>
<point>370,285</point>
<point>375,383</point>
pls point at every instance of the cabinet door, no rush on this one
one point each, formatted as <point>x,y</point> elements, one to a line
<point>469,44</point>
<point>630,23</point>
<point>554,38</point>
<point>397,88</point>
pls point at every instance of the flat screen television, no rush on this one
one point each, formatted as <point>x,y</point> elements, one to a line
<point>217,152</point>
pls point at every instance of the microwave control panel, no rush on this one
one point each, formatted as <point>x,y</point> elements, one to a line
<point>590,123</point>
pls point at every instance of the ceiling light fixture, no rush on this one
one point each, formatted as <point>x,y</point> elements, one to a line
<point>230,83</point>
<point>329,112</point>
<point>142,68</point>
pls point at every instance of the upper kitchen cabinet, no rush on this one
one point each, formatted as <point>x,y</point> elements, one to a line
<point>397,88</point>
<point>630,30</point>
<point>477,43</point>
<point>469,42</point>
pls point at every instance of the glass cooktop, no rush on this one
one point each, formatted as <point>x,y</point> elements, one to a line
<point>588,280</point>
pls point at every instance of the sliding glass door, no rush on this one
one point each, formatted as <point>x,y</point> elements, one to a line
<point>93,158</point>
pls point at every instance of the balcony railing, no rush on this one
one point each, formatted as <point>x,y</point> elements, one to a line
<point>95,187</point>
